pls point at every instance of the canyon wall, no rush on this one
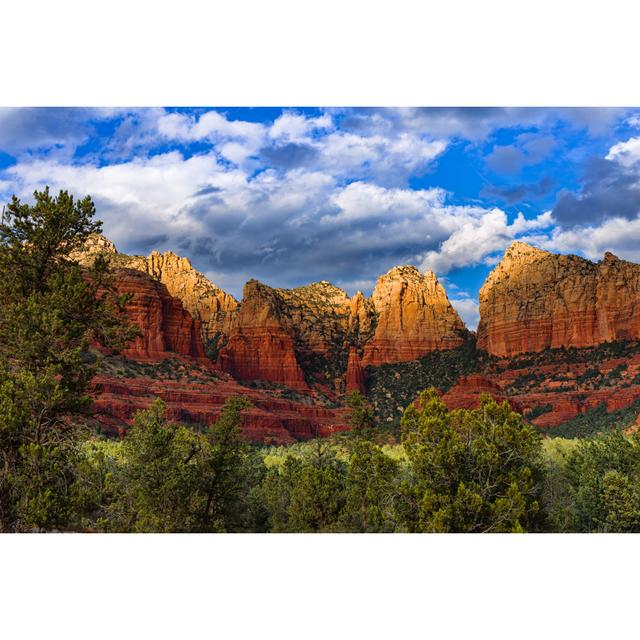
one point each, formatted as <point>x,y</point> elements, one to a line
<point>166,327</point>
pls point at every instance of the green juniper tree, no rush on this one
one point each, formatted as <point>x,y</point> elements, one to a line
<point>306,494</point>
<point>175,479</point>
<point>371,486</point>
<point>471,470</point>
<point>51,310</point>
<point>362,416</point>
<point>603,480</point>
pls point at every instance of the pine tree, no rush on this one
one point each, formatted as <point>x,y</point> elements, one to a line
<point>51,310</point>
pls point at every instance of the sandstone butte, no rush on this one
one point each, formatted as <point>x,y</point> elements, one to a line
<point>414,317</point>
<point>261,344</point>
<point>535,300</point>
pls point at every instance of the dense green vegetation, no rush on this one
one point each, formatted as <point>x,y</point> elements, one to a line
<point>50,312</point>
<point>482,470</point>
<point>391,387</point>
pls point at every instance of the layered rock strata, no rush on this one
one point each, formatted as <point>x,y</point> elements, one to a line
<point>166,327</point>
<point>414,317</point>
<point>536,300</point>
<point>261,343</point>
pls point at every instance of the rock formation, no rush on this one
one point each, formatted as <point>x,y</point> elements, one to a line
<point>206,302</point>
<point>536,300</point>
<point>195,396</point>
<point>466,393</point>
<point>355,376</point>
<point>166,328</point>
<point>414,316</point>
<point>317,341</point>
<point>203,299</point>
<point>260,344</point>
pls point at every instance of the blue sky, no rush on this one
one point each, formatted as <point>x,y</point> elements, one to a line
<point>295,195</point>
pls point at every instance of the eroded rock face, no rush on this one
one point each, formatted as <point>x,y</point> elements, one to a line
<point>204,300</point>
<point>355,375</point>
<point>166,327</point>
<point>213,307</point>
<point>261,343</point>
<point>536,300</point>
<point>414,317</point>
<point>196,396</point>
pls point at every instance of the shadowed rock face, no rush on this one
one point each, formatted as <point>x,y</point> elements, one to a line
<point>536,300</point>
<point>166,328</point>
<point>414,317</point>
<point>261,343</point>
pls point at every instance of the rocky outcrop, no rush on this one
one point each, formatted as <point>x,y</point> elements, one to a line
<point>296,337</point>
<point>166,328</point>
<point>414,317</point>
<point>261,343</point>
<point>94,245</point>
<point>210,305</point>
<point>536,300</point>
<point>304,335</point>
<point>355,376</point>
<point>466,393</point>
<point>196,397</point>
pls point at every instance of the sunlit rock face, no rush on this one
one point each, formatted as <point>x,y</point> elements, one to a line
<point>414,317</point>
<point>535,300</point>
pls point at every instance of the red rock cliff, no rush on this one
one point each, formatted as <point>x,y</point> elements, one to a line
<point>166,327</point>
<point>261,344</point>
<point>213,307</point>
<point>414,316</point>
<point>536,300</point>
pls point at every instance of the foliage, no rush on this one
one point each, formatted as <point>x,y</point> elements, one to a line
<point>391,387</point>
<point>174,479</point>
<point>306,494</point>
<point>539,410</point>
<point>371,488</point>
<point>51,311</point>
<point>362,417</point>
<point>603,478</point>
<point>471,470</point>
<point>214,344</point>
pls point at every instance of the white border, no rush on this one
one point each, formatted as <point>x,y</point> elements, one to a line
<point>335,52</point>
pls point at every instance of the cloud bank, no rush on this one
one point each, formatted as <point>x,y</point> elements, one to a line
<point>335,194</point>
